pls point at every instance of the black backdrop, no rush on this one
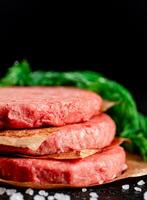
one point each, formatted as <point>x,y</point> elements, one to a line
<point>110,37</point>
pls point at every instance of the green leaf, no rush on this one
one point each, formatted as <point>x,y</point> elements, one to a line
<point>18,74</point>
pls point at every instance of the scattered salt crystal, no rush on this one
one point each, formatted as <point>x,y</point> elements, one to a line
<point>93,194</point>
<point>10,191</point>
<point>84,189</point>
<point>38,197</point>
<point>43,193</point>
<point>145,195</point>
<point>61,196</point>
<point>93,198</point>
<point>29,191</point>
<point>16,196</point>
<point>125,187</point>
<point>141,182</point>
<point>50,198</point>
<point>137,189</point>
<point>2,190</point>
<point>67,197</point>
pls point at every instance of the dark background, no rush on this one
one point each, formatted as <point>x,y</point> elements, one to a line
<point>110,37</point>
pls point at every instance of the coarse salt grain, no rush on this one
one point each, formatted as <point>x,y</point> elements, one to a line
<point>2,190</point>
<point>38,197</point>
<point>141,182</point>
<point>93,194</point>
<point>66,197</point>
<point>29,191</point>
<point>137,189</point>
<point>61,196</point>
<point>84,189</point>
<point>145,195</point>
<point>93,198</point>
<point>125,187</point>
<point>16,196</point>
<point>50,198</point>
<point>43,193</point>
<point>10,191</point>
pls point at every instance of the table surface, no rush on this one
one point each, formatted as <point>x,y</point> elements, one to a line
<point>111,191</point>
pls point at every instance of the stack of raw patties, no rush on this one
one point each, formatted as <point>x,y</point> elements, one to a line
<point>56,137</point>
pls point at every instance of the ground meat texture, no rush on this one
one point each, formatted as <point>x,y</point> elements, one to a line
<point>97,133</point>
<point>32,107</point>
<point>95,169</point>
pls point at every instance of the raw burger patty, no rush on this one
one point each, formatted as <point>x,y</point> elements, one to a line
<point>30,107</point>
<point>95,169</point>
<point>98,132</point>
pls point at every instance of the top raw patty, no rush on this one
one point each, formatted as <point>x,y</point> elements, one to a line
<point>32,107</point>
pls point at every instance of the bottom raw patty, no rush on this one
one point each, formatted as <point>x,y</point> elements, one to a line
<point>95,169</point>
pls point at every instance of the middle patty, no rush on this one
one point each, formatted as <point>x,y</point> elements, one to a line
<point>97,133</point>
